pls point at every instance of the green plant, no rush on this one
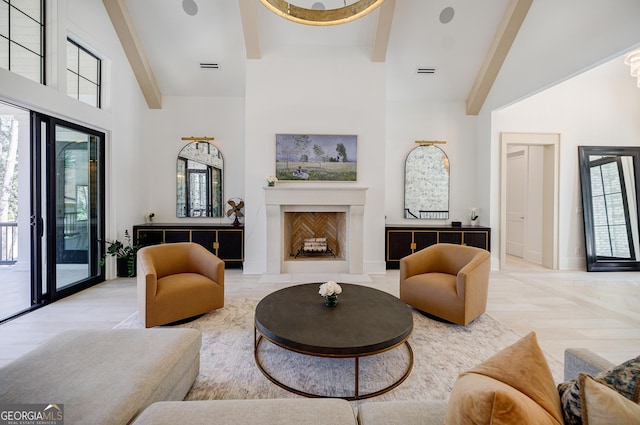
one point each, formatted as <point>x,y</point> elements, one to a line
<point>122,250</point>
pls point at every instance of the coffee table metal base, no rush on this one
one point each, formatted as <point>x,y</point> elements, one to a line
<point>258,337</point>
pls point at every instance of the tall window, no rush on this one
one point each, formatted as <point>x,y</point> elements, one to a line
<point>22,38</point>
<point>83,74</point>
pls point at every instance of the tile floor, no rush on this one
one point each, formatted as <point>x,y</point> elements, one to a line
<point>599,311</point>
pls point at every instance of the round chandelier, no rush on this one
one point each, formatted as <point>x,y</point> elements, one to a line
<point>320,16</point>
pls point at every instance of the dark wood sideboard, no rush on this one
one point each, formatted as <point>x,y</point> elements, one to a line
<point>224,240</point>
<point>402,240</point>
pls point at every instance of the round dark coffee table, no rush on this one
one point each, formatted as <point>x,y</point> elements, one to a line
<point>370,322</point>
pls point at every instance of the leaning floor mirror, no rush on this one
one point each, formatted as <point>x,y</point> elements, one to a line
<point>609,180</point>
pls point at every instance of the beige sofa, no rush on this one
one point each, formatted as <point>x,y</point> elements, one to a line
<point>327,411</point>
<point>139,376</point>
<point>104,377</point>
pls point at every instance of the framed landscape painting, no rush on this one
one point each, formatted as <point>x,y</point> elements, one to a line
<point>316,157</point>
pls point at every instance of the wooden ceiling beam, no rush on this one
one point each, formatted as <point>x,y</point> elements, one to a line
<point>122,23</point>
<point>249,18</point>
<point>507,31</point>
<point>383,30</point>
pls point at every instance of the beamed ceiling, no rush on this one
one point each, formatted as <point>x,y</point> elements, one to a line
<point>165,46</point>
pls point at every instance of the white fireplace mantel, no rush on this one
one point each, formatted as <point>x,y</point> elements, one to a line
<point>283,198</point>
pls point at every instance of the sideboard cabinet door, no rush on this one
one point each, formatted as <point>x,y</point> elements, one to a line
<point>424,238</point>
<point>398,244</point>
<point>450,237</point>
<point>231,246</point>
<point>145,237</point>
<point>479,239</point>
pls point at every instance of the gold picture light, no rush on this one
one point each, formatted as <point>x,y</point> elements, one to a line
<point>199,139</point>
<point>320,17</point>
<point>430,142</point>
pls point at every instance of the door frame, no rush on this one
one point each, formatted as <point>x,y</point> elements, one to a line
<point>551,192</point>
<point>43,149</point>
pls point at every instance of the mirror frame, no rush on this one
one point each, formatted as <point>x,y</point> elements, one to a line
<point>584,152</point>
<point>219,194</point>
<point>430,214</point>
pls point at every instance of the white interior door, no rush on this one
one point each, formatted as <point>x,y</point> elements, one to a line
<point>541,196</point>
<point>516,200</point>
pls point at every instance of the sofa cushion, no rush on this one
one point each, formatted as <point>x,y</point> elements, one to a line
<point>622,378</point>
<point>602,405</point>
<point>286,411</point>
<point>513,386</point>
<point>402,412</point>
<point>105,377</point>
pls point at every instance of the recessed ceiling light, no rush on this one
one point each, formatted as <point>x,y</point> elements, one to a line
<point>190,7</point>
<point>447,15</point>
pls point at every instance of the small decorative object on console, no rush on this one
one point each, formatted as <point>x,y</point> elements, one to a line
<point>330,290</point>
<point>271,180</point>
<point>474,218</point>
<point>235,209</point>
<point>149,218</point>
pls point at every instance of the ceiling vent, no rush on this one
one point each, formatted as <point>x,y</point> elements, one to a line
<point>425,70</point>
<point>208,65</point>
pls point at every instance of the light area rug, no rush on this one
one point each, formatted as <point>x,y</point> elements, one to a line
<point>441,351</point>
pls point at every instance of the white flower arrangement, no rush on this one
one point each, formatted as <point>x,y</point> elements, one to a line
<point>474,213</point>
<point>272,179</point>
<point>330,288</point>
<point>149,217</point>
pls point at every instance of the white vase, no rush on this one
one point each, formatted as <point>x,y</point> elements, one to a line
<point>475,223</point>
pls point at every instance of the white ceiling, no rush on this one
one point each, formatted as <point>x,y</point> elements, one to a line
<point>176,43</point>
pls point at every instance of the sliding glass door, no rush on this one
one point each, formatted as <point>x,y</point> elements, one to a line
<point>76,204</point>
<point>51,209</point>
<point>15,187</point>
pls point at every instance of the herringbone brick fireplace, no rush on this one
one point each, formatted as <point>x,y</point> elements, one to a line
<point>299,226</point>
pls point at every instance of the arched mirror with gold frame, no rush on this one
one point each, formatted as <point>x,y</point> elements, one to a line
<point>426,183</point>
<point>199,184</point>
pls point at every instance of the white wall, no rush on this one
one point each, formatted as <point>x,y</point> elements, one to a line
<point>599,107</point>
<point>314,91</point>
<point>221,118</point>
<point>538,60</point>
<point>411,121</point>
<point>332,91</point>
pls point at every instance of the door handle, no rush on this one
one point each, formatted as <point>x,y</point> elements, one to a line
<point>38,223</point>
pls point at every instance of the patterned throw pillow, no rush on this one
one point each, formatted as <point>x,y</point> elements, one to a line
<point>622,378</point>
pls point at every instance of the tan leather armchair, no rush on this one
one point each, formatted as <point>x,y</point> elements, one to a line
<point>446,280</point>
<point>177,281</point>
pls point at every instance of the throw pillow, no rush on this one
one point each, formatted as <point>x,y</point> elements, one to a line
<point>622,378</point>
<point>513,386</point>
<point>604,406</point>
